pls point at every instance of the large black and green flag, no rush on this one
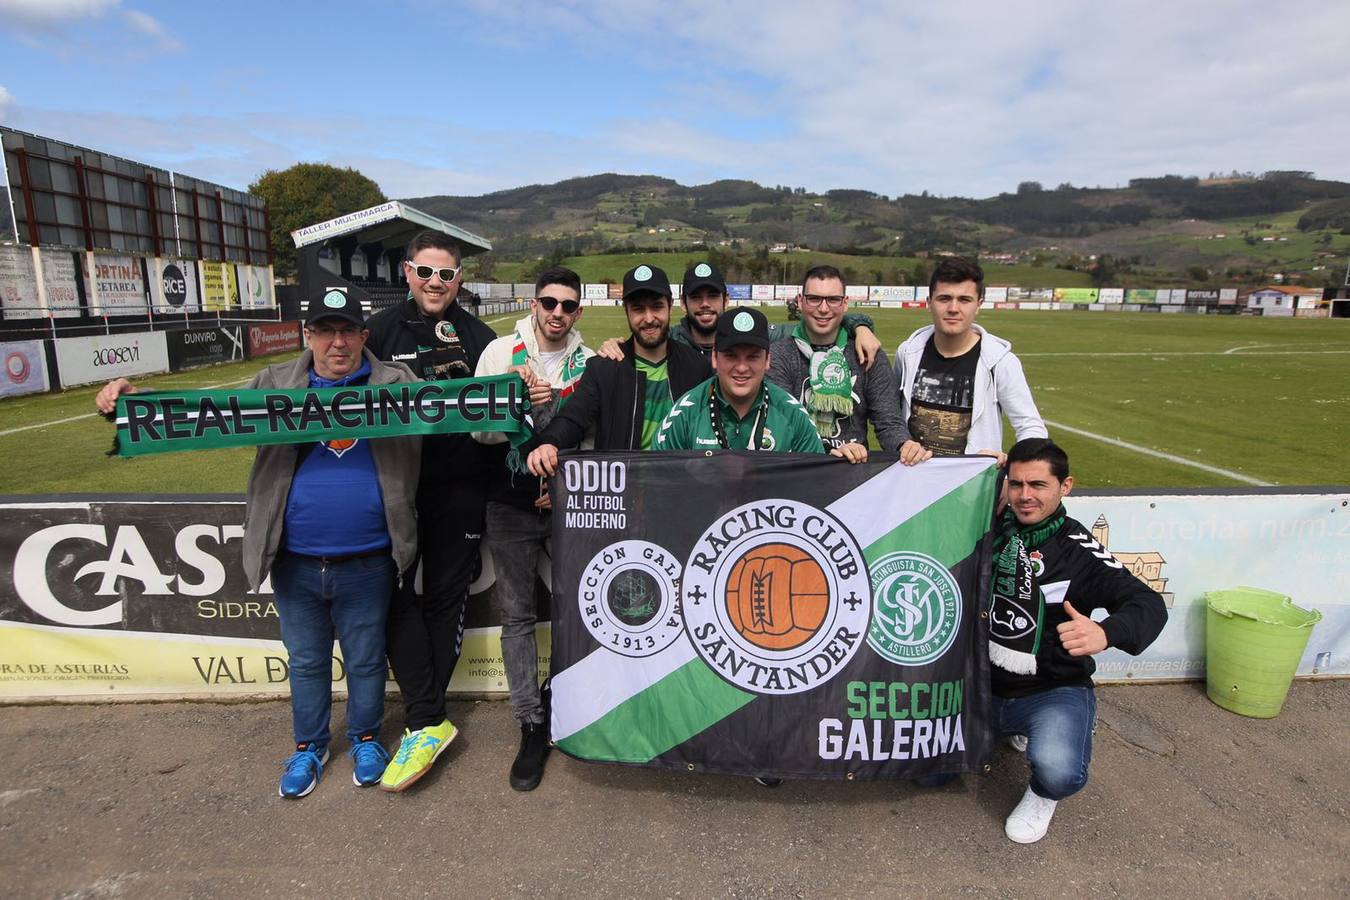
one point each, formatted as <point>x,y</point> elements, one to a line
<point>766,614</point>
<point>164,421</point>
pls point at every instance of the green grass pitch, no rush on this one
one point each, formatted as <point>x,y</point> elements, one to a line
<point>1226,401</point>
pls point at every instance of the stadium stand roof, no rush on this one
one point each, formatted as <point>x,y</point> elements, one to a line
<point>390,225</point>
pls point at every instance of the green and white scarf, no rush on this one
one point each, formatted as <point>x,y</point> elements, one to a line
<point>573,366</point>
<point>164,421</point>
<point>831,381</point>
<point>1017,607</point>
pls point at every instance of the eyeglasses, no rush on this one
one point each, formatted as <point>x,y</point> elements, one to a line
<point>551,303</point>
<point>328,332</point>
<point>446,273</point>
<point>814,300</point>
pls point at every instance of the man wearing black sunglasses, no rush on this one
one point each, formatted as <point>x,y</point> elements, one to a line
<point>438,339</point>
<point>625,400</point>
<point>546,350</point>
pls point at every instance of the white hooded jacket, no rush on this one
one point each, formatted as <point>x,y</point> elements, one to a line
<point>496,360</point>
<point>1000,386</point>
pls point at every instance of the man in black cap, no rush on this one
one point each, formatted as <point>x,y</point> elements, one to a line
<point>624,400</point>
<point>332,523</point>
<point>736,409</point>
<point>705,298</point>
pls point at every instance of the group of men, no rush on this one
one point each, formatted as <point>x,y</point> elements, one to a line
<point>342,529</point>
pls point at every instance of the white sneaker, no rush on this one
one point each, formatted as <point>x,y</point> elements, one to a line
<point>1031,819</point>
<point>1018,742</point>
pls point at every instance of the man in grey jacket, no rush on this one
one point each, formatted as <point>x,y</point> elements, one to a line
<point>817,363</point>
<point>333,525</point>
<point>958,380</point>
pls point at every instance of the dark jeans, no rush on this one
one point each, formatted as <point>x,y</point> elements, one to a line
<point>517,539</point>
<point>313,599</point>
<point>1058,725</point>
<point>426,628</point>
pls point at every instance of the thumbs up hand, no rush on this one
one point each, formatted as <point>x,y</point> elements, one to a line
<point>1080,635</point>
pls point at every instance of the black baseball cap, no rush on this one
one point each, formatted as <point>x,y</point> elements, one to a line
<point>741,325</point>
<point>335,303</point>
<point>703,274</point>
<point>645,280</point>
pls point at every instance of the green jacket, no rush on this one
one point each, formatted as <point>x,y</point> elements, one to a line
<point>787,426</point>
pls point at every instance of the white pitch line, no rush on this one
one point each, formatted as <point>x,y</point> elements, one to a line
<point>1181,353</point>
<point>1158,454</point>
<point>9,431</point>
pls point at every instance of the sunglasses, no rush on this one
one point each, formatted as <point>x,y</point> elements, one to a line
<point>551,303</point>
<point>446,274</point>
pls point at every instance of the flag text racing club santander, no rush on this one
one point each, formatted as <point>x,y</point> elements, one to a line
<point>766,614</point>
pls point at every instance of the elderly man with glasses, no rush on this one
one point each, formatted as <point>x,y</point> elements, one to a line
<point>438,339</point>
<point>818,365</point>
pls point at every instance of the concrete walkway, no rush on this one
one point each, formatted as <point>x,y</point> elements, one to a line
<point>179,800</point>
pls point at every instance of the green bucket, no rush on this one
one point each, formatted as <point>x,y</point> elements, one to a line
<point>1253,642</point>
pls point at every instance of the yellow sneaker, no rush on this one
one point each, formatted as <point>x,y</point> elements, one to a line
<point>416,752</point>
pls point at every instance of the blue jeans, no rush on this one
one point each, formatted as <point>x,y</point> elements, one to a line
<point>1058,724</point>
<point>313,600</point>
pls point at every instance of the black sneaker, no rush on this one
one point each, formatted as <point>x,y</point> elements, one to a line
<point>528,769</point>
<point>767,781</point>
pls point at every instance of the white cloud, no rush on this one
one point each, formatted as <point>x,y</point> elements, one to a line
<point>6,99</point>
<point>51,15</point>
<point>972,98</point>
<point>148,25</point>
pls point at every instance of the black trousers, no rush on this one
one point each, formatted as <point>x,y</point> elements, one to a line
<point>426,629</point>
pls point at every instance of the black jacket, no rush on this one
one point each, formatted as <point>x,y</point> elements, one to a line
<point>1074,567</point>
<point>393,338</point>
<point>610,394</point>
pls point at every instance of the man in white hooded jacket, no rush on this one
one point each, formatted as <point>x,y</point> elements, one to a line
<point>958,380</point>
<point>548,353</point>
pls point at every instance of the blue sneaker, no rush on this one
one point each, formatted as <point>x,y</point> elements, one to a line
<point>303,768</point>
<point>368,761</point>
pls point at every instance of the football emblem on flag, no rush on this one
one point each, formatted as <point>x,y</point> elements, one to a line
<point>777,596</point>
<point>628,598</point>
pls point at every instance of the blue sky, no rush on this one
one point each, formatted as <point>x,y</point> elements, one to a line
<point>951,97</point>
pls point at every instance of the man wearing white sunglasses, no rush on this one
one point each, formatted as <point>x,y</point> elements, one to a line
<point>438,339</point>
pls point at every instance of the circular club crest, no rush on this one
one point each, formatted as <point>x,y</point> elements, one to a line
<point>918,609</point>
<point>642,273</point>
<point>627,598</point>
<point>775,597</point>
<point>445,332</point>
<point>16,367</point>
<point>335,299</point>
<point>743,321</point>
<point>702,270</point>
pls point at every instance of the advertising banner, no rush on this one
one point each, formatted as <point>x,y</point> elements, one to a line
<point>220,291</point>
<point>1227,296</point>
<point>18,285</point>
<point>1171,295</point>
<point>1076,295</point>
<point>761,292</point>
<point>1202,296</point>
<point>889,293</point>
<point>595,292</point>
<point>255,287</point>
<point>737,292</point>
<point>615,292</point>
<point>59,275</point>
<point>274,337</point>
<point>1111,295</point>
<point>25,368</point>
<point>1039,294</point>
<point>786,291</point>
<point>175,286</point>
<point>772,615</point>
<point>856,293</point>
<point>119,285</point>
<point>921,293</point>
<point>996,294</point>
<point>101,357</point>
<point>149,598</point>
<point>192,347</point>
<point>1141,295</point>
